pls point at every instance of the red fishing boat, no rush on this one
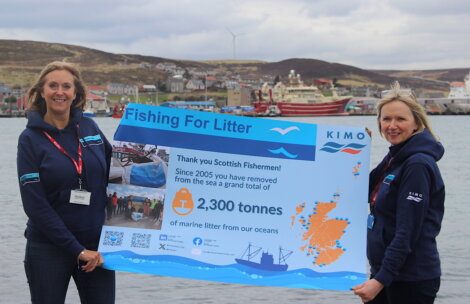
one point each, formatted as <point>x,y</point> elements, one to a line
<point>298,99</point>
<point>118,110</point>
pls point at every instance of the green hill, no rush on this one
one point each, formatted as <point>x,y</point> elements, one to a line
<point>21,61</point>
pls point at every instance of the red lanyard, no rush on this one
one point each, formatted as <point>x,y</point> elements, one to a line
<point>373,195</point>
<point>77,163</point>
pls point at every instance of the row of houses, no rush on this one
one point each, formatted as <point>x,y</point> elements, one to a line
<point>196,78</point>
<point>172,69</point>
<point>178,84</point>
<point>6,91</point>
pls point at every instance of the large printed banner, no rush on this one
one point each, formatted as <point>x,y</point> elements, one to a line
<point>237,199</point>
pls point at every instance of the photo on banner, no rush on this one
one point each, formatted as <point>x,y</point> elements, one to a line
<point>137,185</point>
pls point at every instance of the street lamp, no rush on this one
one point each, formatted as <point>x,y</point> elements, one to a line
<point>205,85</point>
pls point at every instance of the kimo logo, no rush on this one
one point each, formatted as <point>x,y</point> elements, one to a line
<point>353,146</point>
<point>415,197</point>
<point>91,140</point>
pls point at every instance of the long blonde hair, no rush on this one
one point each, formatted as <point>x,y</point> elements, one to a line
<point>37,103</point>
<point>409,99</point>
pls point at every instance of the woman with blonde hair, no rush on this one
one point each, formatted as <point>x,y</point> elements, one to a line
<point>406,198</point>
<point>63,163</point>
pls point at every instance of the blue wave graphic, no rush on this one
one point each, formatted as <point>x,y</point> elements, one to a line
<point>354,146</point>
<point>330,150</point>
<point>333,147</point>
<point>175,266</point>
<point>283,151</point>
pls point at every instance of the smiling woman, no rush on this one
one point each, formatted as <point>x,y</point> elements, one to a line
<point>397,123</point>
<point>57,80</point>
<point>58,93</point>
<point>63,189</point>
<point>400,115</point>
<point>406,196</point>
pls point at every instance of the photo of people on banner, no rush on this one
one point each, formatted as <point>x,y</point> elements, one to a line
<point>137,185</point>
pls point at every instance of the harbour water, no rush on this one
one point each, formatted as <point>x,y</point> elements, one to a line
<point>454,240</point>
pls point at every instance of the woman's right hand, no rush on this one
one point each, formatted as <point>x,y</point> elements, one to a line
<point>91,258</point>
<point>368,290</point>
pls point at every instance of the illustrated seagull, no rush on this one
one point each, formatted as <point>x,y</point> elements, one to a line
<point>286,130</point>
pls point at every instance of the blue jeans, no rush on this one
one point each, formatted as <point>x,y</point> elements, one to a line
<point>48,270</point>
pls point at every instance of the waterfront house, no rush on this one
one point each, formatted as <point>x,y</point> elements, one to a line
<point>121,89</point>
<point>195,84</point>
<point>5,91</point>
<point>148,88</point>
<point>210,80</point>
<point>175,84</point>
<point>239,96</point>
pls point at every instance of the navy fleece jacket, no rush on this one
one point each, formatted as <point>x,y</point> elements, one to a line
<point>47,176</point>
<point>408,212</point>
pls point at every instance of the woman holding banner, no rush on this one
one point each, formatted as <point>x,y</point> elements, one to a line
<point>407,205</point>
<point>63,164</point>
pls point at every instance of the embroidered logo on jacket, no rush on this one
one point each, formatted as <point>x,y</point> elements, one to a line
<point>29,178</point>
<point>91,140</point>
<point>416,197</point>
<point>388,179</point>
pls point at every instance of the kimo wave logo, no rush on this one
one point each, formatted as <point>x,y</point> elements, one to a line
<point>334,145</point>
<point>30,178</point>
<point>415,197</point>
<point>91,140</point>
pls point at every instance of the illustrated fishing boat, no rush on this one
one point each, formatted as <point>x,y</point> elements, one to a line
<point>298,99</point>
<point>267,260</point>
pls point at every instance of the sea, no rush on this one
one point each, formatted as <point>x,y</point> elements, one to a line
<point>453,241</point>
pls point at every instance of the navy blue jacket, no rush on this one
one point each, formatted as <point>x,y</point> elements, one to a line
<point>47,176</point>
<point>408,212</point>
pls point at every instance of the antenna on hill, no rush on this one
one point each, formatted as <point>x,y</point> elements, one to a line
<point>234,37</point>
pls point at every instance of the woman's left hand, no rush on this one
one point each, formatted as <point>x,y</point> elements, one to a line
<point>91,258</point>
<point>368,290</point>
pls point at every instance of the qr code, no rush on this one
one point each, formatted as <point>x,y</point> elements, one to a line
<point>140,240</point>
<point>113,238</point>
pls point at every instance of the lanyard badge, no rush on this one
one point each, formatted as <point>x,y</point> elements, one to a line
<point>370,221</point>
<point>80,197</point>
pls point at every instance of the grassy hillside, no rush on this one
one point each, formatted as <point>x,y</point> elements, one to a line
<point>436,75</point>
<point>21,61</point>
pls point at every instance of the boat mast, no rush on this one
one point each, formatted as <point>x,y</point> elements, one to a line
<point>284,257</point>
<point>250,254</point>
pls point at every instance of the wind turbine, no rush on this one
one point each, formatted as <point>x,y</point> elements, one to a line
<point>234,37</point>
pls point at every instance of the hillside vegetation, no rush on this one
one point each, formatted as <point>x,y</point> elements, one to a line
<point>21,61</point>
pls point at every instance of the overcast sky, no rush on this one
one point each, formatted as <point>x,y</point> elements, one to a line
<point>371,34</point>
